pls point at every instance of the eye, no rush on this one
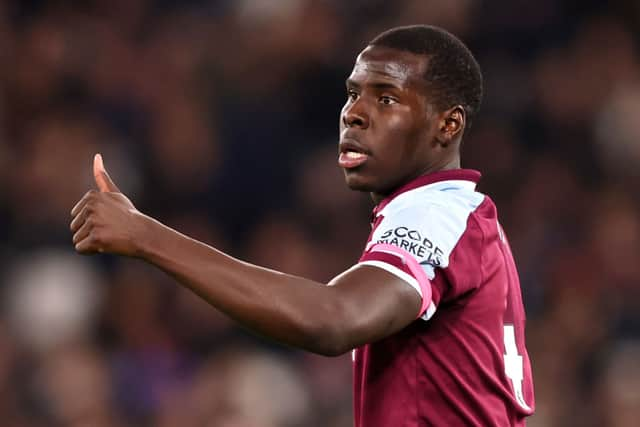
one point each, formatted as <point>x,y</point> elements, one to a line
<point>352,95</point>
<point>388,100</point>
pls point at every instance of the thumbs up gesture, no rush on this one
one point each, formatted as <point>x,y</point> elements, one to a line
<point>106,220</point>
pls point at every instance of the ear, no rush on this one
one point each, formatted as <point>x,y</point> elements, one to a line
<point>451,125</point>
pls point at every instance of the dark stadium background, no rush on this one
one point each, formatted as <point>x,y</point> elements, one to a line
<point>220,118</point>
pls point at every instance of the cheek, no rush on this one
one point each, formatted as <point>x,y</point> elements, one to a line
<point>401,137</point>
<point>402,123</point>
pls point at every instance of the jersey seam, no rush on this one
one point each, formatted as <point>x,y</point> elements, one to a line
<point>483,242</point>
<point>472,216</point>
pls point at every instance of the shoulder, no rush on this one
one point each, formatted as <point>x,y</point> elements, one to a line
<point>456,198</point>
<point>428,221</point>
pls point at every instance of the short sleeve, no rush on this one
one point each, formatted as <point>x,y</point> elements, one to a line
<point>417,243</point>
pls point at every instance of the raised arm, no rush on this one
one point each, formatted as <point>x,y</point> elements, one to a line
<point>363,304</point>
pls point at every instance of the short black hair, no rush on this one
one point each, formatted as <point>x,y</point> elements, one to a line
<point>453,75</point>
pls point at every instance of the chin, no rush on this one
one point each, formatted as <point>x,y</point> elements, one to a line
<point>357,182</point>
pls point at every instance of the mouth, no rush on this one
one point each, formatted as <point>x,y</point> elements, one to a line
<point>351,155</point>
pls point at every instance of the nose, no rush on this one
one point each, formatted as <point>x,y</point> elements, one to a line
<point>354,115</point>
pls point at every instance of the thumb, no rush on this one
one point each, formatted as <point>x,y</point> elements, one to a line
<point>103,180</point>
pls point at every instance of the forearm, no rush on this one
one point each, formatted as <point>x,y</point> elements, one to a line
<point>362,304</point>
<point>289,309</point>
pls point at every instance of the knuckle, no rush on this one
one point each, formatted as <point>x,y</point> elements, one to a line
<point>88,242</point>
<point>93,197</point>
<point>96,237</point>
<point>88,196</point>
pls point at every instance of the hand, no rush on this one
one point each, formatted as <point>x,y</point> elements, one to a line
<point>106,220</point>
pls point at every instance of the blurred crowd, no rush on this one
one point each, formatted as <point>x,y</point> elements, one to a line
<point>220,118</point>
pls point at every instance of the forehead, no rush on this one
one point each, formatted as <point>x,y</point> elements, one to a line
<point>390,65</point>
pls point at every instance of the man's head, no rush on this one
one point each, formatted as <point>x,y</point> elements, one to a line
<point>411,94</point>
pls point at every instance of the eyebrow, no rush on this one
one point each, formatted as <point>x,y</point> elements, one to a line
<point>375,85</point>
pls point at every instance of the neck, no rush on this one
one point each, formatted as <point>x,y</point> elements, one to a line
<point>453,163</point>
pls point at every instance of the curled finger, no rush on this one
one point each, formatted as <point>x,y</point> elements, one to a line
<point>79,219</point>
<point>87,245</point>
<point>83,231</point>
<point>83,201</point>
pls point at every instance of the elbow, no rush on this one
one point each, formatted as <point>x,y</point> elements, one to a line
<point>331,349</point>
<point>329,345</point>
<point>332,335</point>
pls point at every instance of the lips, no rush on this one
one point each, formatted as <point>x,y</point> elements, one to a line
<point>352,154</point>
<point>351,159</point>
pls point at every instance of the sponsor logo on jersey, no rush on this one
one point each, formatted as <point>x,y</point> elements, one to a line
<point>414,243</point>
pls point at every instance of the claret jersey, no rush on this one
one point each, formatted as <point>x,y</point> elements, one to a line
<point>463,362</point>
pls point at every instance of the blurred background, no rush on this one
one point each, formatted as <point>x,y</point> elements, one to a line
<point>220,118</point>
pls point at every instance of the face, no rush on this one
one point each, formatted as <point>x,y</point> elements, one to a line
<point>387,129</point>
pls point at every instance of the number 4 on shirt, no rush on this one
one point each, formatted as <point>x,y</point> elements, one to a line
<point>513,365</point>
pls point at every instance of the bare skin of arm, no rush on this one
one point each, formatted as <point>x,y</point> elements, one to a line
<point>361,305</point>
